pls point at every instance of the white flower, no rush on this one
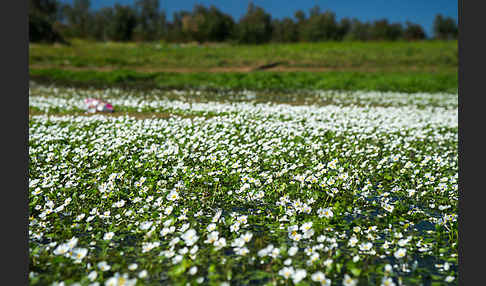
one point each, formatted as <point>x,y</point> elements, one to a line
<point>147,246</point>
<point>72,242</point>
<point>132,266</point>
<point>314,257</point>
<point>388,207</point>
<point>143,274</point>
<point>387,281</point>
<point>212,237</point>
<point>402,242</point>
<point>168,222</point>
<point>108,235</point>
<point>62,249</point>
<point>328,262</point>
<point>168,210</point>
<point>306,226</point>
<point>296,236</point>
<point>92,275</point>
<point>242,219</point>
<point>400,253</point>
<point>286,272</point>
<point>79,253</point>
<point>275,252</point>
<point>120,204</point>
<point>242,251</point>
<point>327,212</point>
<point>247,237</point>
<point>194,249</point>
<point>120,280</point>
<point>103,266</point>
<point>217,216</point>
<point>178,258</point>
<point>320,277</point>
<point>145,225</point>
<point>183,250</point>
<point>235,227</point>
<point>293,250</point>
<point>190,237</point>
<point>365,246</point>
<point>184,227</point>
<point>352,241</point>
<point>220,243</point>
<point>308,234</point>
<point>238,242</point>
<point>211,227</point>
<point>298,275</point>
<point>193,270</point>
<point>167,230</point>
<point>348,281</point>
<point>449,279</point>
<point>173,196</point>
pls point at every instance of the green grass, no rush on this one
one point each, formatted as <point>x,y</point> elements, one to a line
<point>423,56</point>
<point>336,80</point>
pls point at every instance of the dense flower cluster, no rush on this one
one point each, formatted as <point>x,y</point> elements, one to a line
<point>256,193</point>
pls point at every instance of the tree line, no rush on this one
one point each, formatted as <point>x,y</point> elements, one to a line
<point>51,21</point>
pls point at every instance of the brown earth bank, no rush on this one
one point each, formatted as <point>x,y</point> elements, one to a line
<point>243,69</point>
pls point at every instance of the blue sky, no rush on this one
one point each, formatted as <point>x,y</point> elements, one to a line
<point>418,11</point>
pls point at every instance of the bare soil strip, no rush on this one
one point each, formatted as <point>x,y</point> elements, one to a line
<point>242,69</point>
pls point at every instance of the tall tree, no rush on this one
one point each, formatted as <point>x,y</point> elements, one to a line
<point>208,24</point>
<point>148,18</point>
<point>42,16</point>
<point>123,23</point>
<point>319,26</point>
<point>445,28</point>
<point>413,32</point>
<point>255,26</point>
<point>359,31</point>
<point>284,30</point>
<point>383,30</point>
<point>79,17</point>
<point>48,8</point>
<point>102,24</point>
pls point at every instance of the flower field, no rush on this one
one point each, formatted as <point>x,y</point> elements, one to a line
<point>243,188</point>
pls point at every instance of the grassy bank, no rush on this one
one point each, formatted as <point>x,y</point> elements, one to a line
<point>426,56</point>
<point>379,81</point>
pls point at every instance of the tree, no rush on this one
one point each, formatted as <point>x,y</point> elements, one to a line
<point>319,26</point>
<point>382,30</point>
<point>48,8</point>
<point>413,32</point>
<point>300,16</point>
<point>358,31</point>
<point>445,28</point>
<point>255,26</point>
<point>42,16</point>
<point>102,23</point>
<point>205,24</point>
<point>79,18</point>
<point>344,27</point>
<point>284,31</point>
<point>148,18</point>
<point>123,23</point>
<point>175,31</point>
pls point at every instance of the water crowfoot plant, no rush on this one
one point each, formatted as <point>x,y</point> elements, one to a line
<point>243,192</point>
